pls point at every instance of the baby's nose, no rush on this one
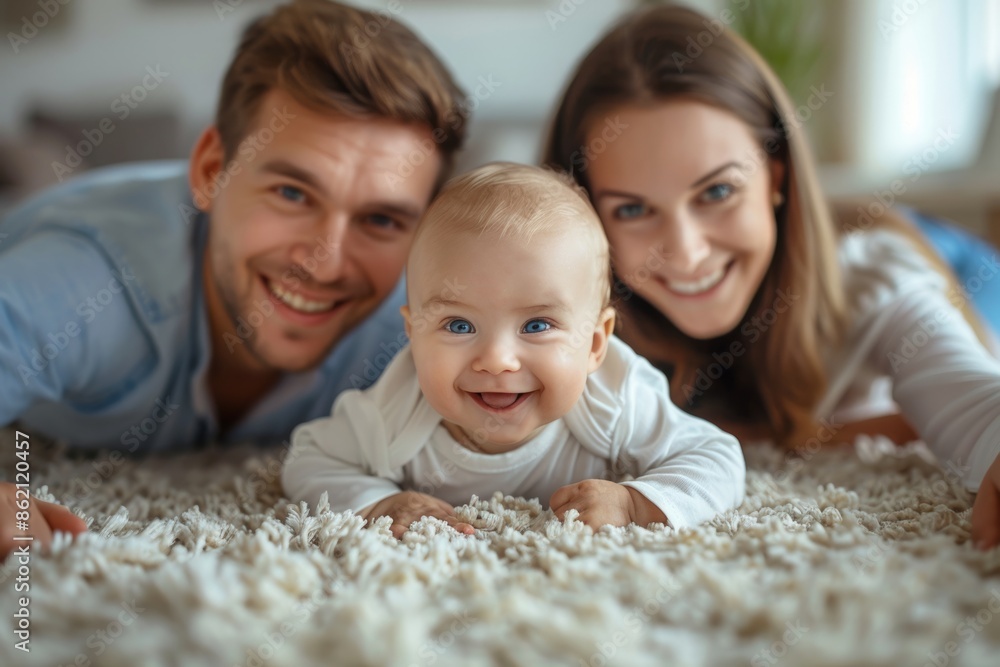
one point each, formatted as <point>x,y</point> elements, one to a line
<point>497,356</point>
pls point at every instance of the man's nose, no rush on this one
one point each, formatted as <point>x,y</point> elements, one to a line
<point>322,257</point>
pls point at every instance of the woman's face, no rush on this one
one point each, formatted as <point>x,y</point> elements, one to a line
<point>686,195</point>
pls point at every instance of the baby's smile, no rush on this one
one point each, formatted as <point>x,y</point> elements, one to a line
<point>499,402</point>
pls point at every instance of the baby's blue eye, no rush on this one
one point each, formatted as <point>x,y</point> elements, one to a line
<point>537,326</point>
<point>460,327</point>
<point>629,211</point>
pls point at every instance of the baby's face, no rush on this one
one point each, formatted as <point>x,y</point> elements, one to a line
<point>504,333</point>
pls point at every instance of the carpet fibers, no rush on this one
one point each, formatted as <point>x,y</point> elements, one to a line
<point>853,556</point>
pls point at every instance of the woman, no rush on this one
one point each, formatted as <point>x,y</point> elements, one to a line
<point>772,316</point>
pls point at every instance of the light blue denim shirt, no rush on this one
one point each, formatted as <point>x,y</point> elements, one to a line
<point>104,338</point>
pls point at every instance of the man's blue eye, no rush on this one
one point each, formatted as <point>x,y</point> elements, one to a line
<point>537,326</point>
<point>381,220</point>
<point>292,193</point>
<point>718,192</point>
<point>629,211</point>
<point>460,327</point>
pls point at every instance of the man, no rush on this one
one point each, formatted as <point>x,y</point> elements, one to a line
<point>231,298</point>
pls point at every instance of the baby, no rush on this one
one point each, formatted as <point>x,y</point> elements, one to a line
<point>513,381</point>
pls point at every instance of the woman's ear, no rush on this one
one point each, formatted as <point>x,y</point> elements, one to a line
<point>206,163</point>
<point>777,168</point>
<point>602,333</point>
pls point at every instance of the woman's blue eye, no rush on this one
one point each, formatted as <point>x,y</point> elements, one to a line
<point>718,192</point>
<point>460,327</point>
<point>629,211</point>
<point>537,326</point>
<point>292,193</point>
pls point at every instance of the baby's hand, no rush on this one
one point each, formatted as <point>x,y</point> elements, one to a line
<point>43,520</point>
<point>602,503</point>
<point>986,510</point>
<point>409,506</point>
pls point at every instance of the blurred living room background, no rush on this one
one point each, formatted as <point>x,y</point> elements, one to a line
<point>912,85</point>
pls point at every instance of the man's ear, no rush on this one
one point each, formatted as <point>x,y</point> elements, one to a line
<point>405,312</point>
<point>206,163</point>
<point>602,333</point>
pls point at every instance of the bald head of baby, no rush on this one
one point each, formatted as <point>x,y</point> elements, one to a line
<point>502,207</point>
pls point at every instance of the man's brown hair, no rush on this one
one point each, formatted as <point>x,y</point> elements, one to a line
<point>335,58</point>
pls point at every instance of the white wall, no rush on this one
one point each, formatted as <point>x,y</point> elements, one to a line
<point>899,88</point>
<point>927,72</point>
<point>104,46</point>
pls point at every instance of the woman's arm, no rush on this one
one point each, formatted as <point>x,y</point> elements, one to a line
<point>945,382</point>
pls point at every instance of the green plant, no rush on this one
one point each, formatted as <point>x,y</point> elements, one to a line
<point>789,34</point>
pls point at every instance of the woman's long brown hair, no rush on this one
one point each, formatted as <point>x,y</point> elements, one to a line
<point>661,54</point>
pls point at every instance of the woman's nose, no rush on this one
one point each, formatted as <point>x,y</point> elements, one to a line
<point>686,246</point>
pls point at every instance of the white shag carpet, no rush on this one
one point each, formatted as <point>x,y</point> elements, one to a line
<point>852,557</point>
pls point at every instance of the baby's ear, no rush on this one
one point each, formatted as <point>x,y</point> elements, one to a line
<point>602,333</point>
<point>405,312</point>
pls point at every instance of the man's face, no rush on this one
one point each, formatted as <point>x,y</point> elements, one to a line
<point>311,222</point>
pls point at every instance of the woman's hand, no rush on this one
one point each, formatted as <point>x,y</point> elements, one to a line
<point>894,426</point>
<point>410,506</point>
<point>986,510</point>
